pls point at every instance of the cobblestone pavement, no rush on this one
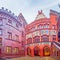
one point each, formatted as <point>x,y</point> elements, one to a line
<point>32,58</point>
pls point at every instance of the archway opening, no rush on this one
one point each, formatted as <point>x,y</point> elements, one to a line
<point>28,51</point>
<point>46,51</point>
<point>36,51</point>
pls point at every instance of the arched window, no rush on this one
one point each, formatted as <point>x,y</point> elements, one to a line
<point>46,25</point>
<point>29,40</point>
<point>36,39</point>
<point>40,27</point>
<point>44,32</point>
<point>45,38</point>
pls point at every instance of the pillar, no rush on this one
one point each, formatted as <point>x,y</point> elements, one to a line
<point>25,51</point>
<point>32,52</point>
<point>41,52</point>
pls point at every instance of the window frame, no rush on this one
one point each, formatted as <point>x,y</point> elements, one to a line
<point>16,37</point>
<point>1,31</point>
<point>1,20</point>
<point>9,36</point>
<point>8,50</point>
<point>15,51</point>
<point>9,21</point>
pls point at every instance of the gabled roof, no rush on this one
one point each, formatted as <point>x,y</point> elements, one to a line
<point>40,15</point>
<point>21,18</point>
<point>55,12</point>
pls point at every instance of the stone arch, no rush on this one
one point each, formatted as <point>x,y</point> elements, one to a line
<point>36,39</point>
<point>29,40</point>
<point>36,51</point>
<point>46,51</point>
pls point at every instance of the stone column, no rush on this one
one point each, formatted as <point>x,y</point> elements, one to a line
<point>41,53</point>
<point>32,52</point>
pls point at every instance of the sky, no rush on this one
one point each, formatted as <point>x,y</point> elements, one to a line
<point>29,8</point>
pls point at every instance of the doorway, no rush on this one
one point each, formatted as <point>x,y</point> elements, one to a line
<point>36,51</point>
<point>46,51</point>
<point>28,51</point>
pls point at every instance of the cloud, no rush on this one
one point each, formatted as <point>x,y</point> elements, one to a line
<point>29,8</point>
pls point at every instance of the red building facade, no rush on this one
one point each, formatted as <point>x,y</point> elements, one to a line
<point>40,33</point>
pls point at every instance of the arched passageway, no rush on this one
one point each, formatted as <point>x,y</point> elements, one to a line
<point>36,51</point>
<point>28,51</point>
<point>46,51</point>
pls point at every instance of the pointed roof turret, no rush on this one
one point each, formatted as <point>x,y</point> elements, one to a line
<point>40,15</point>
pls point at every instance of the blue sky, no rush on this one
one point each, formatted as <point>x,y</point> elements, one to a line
<point>29,8</point>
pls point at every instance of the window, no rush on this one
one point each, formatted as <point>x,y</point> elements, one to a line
<point>58,34</point>
<point>10,21</point>
<point>46,26</point>
<point>32,29</point>
<point>42,32</point>
<point>40,27</point>
<point>53,32</point>
<point>1,21</point>
<point>36,33</point>
<point>45,38</point>
<point>29,40</point>
<point>53,27</point>
<point>54,37</point>
<point>36,39</point>
<point>0,40</point>
<point>16,37</point>
<point>15,50</point>
<point>9,35</point>
<point>8,50</point>
<point>20,24</point>
<point>17,25</point>
<point>47,31</point>
<point>0,31</point>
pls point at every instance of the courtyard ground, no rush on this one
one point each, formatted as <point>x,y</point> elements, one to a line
<point>32,58</point>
